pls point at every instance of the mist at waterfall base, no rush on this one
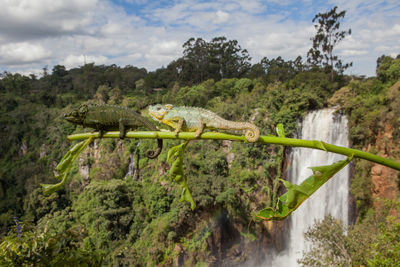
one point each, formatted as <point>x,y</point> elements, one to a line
<point>332,198</point>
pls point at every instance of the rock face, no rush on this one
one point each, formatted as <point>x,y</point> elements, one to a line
<point>385,180</point>
<point>23,149</point>
<point>224,245</point>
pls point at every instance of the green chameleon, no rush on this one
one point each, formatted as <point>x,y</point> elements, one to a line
<point>194,119</point>
<point>108,118</point>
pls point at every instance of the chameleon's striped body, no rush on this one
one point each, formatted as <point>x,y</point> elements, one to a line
<point>109,118</point>
<point>195,119</point>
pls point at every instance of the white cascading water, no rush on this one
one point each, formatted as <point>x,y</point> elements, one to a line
<point>332,198</point>
<point>132,170</point>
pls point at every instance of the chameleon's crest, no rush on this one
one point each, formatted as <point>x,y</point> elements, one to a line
<point>83,109</point>
<point>77,116</point>
<point>157,112</point>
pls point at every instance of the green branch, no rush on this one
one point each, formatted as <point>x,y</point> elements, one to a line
<point>263,140</point>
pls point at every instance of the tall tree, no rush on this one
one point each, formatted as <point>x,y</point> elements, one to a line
<point>277,69</point>
<point>231,60</point>
<point>327,37</point>
<point>217,59</point>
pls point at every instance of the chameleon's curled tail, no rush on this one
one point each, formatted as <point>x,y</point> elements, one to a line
<point>152,154</point>
<point>252,132</point>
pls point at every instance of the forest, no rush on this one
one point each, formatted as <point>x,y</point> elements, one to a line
<point>104,217</point>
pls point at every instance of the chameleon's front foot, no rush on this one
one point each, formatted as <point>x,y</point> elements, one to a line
<point>200,129</point>
<point>179,126</point>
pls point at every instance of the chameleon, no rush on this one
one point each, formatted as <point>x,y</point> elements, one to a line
<point>194,119</point>
<point>109,117</point>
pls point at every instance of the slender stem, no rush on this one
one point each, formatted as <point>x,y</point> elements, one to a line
<point>263,140</point>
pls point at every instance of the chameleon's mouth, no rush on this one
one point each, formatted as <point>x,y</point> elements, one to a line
<point>156,116</point>
<point>72,117</point>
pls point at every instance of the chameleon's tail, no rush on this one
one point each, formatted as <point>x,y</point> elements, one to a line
<point>252,132</point>
<point>152,154</point>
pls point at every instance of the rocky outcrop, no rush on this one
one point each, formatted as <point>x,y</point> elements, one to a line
<point>23,149</point>
<point>385,180</point>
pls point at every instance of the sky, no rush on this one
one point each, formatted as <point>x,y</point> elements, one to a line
<point>35,34</point>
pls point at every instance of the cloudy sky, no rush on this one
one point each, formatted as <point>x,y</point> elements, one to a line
<point>39,33</point>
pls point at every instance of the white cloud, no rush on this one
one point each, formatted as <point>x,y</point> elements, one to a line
<point>352,47</point>
<point>72,61</point>
<point>166,47</point>
<point>48,32</point>
<point>22,53</point>
<point>29,19</point>
<point>221,17</point>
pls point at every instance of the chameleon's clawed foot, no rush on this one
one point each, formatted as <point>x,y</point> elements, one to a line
<point>176,133</point>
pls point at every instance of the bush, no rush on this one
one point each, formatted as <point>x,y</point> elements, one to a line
<point>25,247</point>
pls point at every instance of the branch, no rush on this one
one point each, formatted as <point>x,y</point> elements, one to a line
<point>262,140</point>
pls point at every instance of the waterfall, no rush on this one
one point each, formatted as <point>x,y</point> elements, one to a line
<point>331,198</point>
<point>133,168</point>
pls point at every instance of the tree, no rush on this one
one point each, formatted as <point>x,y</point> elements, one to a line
<point>277,69</point>
<point>327,37</point>
<point>220,58</point>
<point>388,68</point>
<point>230,59</point>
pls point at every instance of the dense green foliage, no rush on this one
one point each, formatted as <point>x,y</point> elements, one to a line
<point>374,242</point>
<point>101,216</point>
<point>28,247</point>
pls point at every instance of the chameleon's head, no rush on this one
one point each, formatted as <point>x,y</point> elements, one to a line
<point>157,112</point>
<point>77,116</point>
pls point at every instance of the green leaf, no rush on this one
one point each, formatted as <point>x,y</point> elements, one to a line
<point>187,196</point>
<point>320,145</point>
<point>175,159</point>
<point>64,166</point>
<point>279,130</point>
<point>249,235</point>
<point>297,194</point>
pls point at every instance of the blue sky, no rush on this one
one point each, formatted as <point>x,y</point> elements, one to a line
<point>150,34</point>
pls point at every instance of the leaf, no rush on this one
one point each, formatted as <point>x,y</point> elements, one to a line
<point>175,159</point>
<point>320,145</point>
<point>64,166</point>
<point>249,235</point>
<point>187,196</point>
<point>279,130</point>
<point>297,194</point>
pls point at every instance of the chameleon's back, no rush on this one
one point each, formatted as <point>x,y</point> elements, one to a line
<point>193,115</point>
<point>108,117</point>
<point>104,117</point>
